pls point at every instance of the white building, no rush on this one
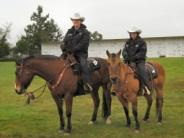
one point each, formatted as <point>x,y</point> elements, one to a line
<point>157,46</point>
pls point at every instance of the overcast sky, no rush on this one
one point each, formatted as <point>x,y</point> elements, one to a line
<point>109,17</point>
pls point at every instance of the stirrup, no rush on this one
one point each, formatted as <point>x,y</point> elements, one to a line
<point>87,86</point>
<point>147,90</point>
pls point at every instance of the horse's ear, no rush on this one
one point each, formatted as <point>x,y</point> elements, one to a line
<point>108,53</point>
<point>119,53</point>
<point>17,61</point>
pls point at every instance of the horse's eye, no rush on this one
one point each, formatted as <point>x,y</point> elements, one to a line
<point>27,73</point>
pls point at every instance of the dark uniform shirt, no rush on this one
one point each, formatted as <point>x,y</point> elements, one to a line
<point>135,50</point>
<point>77,41</point>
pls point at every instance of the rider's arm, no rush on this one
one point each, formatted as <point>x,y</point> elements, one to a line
<point>67,38</point>
<point>125,54</point>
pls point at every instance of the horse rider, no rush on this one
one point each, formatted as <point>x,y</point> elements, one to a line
<point>134,53</point>
<point>76,41</point>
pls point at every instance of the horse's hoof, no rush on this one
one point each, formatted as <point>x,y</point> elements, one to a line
<point>60,131</point>
<point>91,123</point>
<point>109,121</point>
<point>137,131</point>
<point>127,125</point>
<point>146,120</point>
<point>67,134</point>
<point>159,123</point>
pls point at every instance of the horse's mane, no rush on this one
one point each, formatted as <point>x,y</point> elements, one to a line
<point>47,57</point>
<point>40,57</point>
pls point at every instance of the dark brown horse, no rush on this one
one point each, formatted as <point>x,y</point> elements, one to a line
<point>126,86</point>
<point>62,83</point>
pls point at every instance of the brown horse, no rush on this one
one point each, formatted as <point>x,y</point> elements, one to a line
<point>126,86</point>
<point>62,83</point>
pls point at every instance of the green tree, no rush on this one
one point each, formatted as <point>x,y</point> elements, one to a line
<point>43,29</point>
<point>23,45</point>
<point>4,45</point>
<point>96,36</point>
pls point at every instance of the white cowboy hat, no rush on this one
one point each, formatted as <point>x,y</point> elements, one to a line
<point>77,16</point>
<point>134,29</point>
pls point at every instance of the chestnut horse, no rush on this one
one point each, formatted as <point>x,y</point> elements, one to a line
<point>62,83</point>
<point>126,87</point>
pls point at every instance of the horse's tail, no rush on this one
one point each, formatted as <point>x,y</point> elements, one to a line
<point>159,87</point>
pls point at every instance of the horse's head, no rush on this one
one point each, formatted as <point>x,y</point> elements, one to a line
<point>114,65</point>
<point>24,76</point>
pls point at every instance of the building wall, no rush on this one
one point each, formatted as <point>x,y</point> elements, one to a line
<point>165,46</point>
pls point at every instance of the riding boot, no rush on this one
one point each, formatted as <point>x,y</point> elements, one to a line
<point>85,72</point>
<point>76,69</point>
<point>148,86</point>
<point>144,77</point>
<point>88,87</point>
<point>87,81</point>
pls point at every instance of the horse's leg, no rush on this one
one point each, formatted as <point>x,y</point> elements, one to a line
<point>159,103</point>
<point>125,107</point>
<point>124,102</point>
<point>68,102</point>
<point>59,103</point>
<point>96,102</point>
<point>135,113</point>
<point>149,103</point>
<point>107,104</point>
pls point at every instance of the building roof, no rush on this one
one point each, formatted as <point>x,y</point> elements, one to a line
<point>124,39</point>
<point>158,37</point>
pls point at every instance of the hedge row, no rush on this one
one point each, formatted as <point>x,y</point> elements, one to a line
<point>7,59</point>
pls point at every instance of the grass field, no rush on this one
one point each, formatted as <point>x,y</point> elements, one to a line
<point>40,119</point>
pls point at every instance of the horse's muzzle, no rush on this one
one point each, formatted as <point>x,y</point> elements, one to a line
<point>20,90</point>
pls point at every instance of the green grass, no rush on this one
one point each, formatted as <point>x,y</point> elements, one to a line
<point>40,119</point>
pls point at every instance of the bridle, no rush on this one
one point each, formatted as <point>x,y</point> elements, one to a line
<point>125,81</point>
<point>30,95</point>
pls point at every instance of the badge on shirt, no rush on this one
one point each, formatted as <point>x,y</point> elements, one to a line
<point>80,33</point>
<point>137,45</point>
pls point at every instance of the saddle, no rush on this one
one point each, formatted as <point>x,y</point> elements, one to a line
<point>93,65</point>
<point>150,70</point>
<point>152,74</point>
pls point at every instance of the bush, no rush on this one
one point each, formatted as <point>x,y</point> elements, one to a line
<point>4,50</point>
<point>7,59</point>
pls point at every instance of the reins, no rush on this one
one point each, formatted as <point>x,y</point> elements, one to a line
<point>66,66</point>
<point>126,81</point>
<point>31,96</point>
<point>60,78</point>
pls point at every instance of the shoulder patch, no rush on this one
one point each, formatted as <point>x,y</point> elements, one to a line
<point>126,45</point>
<point>80,33</point>
<point>70,34</point>
<point>137,45</point>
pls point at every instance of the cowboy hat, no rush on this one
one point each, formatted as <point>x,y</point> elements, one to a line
<point>77,16</point>
<point>134,29</point>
